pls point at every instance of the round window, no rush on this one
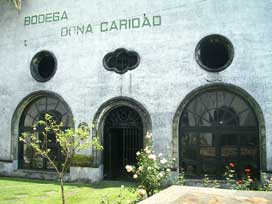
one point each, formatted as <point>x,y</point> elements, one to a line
<point>214,53</point>
<point>43,66</point>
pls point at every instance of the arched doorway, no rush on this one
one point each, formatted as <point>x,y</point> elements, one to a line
<point>32,112</point>
<point>218,126</point>
<point>123,137</point>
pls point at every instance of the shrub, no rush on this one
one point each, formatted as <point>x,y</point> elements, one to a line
<point>267,183</point>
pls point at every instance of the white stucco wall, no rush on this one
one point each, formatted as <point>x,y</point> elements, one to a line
<point>167,72</point>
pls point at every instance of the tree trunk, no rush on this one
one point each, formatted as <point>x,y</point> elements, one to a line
<point>62,190</point>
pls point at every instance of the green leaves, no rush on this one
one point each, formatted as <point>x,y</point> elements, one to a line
<point>70,140</point>
<point>96,143</point>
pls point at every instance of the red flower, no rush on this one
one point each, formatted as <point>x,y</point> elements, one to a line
<point>247,170</point>
<point>231,165</point>
<point>239,181</point>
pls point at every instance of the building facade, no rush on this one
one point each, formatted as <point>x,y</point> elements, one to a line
<point>196,74</point>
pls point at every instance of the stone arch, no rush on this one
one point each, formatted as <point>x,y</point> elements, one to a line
<point>25,102</point>
<point>106,108</point>
<point>231,88</point>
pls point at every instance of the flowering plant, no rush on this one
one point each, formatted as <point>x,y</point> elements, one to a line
<point>245,183</point>
<point>230,174</point>
<point>151,169</point>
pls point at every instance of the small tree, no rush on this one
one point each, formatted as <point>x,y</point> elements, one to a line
<point>70,141</point>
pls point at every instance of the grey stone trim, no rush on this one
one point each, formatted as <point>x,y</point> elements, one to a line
<point>18,113</point>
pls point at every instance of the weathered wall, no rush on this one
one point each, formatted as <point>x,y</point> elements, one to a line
<point>167,72</point>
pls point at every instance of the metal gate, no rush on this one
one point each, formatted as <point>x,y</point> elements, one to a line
<point>123,137</point>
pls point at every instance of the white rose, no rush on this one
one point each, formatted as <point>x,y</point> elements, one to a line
<point>137,153</point>
<point>163,161</point>
<point>141,168</point>
<point>129,168</point>
<point>148,135</point>
<point>135,176</point>
<point>148,151</point>
<point>161,174</point>
<point>152,156</point>
<point>160,154</point>
<point>168,170</point>
<point>142,192</point>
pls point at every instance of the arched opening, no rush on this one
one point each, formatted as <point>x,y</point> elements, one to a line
<point>32,112</point>
<point>123,137</point>
<point>106,126</point>
<point>217,125</point>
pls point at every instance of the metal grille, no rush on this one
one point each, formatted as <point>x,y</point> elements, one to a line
<point>131,142</point>
<point>218,127</point>
<point>121,60</point>
<point>123,137</point>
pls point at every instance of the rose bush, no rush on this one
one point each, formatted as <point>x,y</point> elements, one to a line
<point>230,174</point>
<point>151,169</point>
<point>245,183</point>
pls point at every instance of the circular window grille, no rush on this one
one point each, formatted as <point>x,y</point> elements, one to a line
<point>43,66</point>
<point>214,53</point>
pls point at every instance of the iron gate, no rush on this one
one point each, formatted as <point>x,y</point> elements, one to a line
<point>123,137</point>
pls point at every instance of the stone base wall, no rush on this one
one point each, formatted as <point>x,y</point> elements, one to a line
<point>43,175</point>
<point>76,174</point>
<point>88,174</point>
<point>6,168</point>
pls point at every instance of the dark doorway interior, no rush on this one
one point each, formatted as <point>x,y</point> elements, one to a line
<point>123,137</point>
